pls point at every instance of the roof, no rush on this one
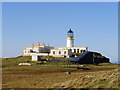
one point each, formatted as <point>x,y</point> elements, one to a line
<point>71,47</point>
<point>61,49</point>
<point>70,31</point>
<point>26,49</point>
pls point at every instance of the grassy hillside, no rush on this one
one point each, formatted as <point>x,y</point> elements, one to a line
<point>102,79</point>
<point>21,59</point>
<point>14,61</point>
<point>52,75</point>
<point>55,77</point>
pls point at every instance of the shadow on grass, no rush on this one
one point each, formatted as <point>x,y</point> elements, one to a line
<point>80,68</point>
<point>83,68</point>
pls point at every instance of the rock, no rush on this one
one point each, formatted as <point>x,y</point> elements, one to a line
<point>62,86</point>
<point>68,72</point>
<point>90,76</point>
<point>29,64</point>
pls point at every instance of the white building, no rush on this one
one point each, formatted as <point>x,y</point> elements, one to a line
<point>70,38</point>
<point>70,44</point>
<point>75,49</point>
<point>36,51</point>
<point>35,57</point>
<point>43,50</point>
<point>60,52</point>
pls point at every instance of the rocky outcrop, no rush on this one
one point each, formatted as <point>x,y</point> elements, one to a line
<point>93,58</point>
<point>86,58</point>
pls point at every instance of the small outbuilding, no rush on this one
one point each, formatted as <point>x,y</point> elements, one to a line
<point>35,57</point>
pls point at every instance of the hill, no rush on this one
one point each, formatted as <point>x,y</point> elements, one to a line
<point>49,75</point>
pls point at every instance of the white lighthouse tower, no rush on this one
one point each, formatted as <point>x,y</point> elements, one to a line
<point>70,39</point>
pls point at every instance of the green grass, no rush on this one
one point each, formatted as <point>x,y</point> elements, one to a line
<point>106,64</point>
<point>14,61</point>
<point>21,59</point>
<point>50,57</point>
<point>52,72</point>
<point>59,63</point>
<point>11,65</point>
<point>35,68</point>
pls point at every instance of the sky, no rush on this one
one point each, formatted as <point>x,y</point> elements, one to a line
<point>60,0</point>
<point>95,25</point>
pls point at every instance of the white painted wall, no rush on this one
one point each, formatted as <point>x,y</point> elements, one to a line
<point>70,43</point>
<point>72,48</point>
<point>39,54</point>
<point>36,49</point>
<point>26,52</point>
<point>35,57</point>
<point>68,52</point>
<point>39,49</point>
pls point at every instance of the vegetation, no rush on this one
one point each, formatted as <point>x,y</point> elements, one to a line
<point>23,59</point>
<point>75,54</point>
<point>106,64</point>
<point>52,74</point>
<point>50,57</point>
<point>47,57</point>
<point>15,61</point>
<point>59,63</point>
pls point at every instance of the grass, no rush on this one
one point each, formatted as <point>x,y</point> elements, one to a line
<point>21,59</point>
<point>50,57</point>
<point>31,69</point>
<point>58,79</point>
<point>52,75</point>
<point>14,61</point>
<point>11,65</point>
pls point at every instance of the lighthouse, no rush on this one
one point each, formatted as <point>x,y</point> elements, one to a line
<point>70,39</point>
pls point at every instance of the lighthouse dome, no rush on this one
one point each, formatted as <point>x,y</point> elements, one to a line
<point>70,31</point>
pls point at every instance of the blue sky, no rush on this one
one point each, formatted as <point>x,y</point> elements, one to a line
<point>95,25</point>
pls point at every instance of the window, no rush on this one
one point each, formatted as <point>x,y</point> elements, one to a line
<point>53,52</point>
<point>81,51</point>
<point>70,49</point>
<point>59,52</point>
<point>77,50</point>
<point>64,52</point>
<point>74,50</point>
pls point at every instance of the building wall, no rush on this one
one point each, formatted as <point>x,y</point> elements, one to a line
<point>75,49</point>
<point>35,57</point>
<point>39,54</point>
<point>37,49</point>
<point>70,43</point>
<point>26,52</point>
<point>60,52</point>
